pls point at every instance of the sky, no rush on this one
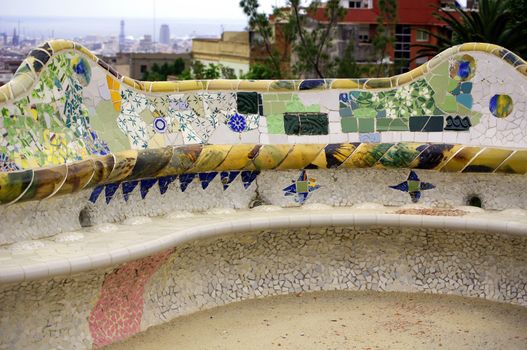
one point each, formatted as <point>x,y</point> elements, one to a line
<point>207,9</point>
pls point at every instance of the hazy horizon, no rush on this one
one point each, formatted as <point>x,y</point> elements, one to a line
<point>70,27</point>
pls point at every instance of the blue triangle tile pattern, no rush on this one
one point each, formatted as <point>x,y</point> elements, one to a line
<point>163,183</point>
<point>109,191</point>
<point>185,180</point>
<point>95,194</point>
<point>206,178</point>
<point>227,177</point>
<point>146,185</point>
<point>128,187</point>
<point>248,177</point>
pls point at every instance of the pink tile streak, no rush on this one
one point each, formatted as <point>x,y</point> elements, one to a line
<point>118,312</point>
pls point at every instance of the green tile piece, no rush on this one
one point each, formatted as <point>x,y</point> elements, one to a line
<point>269,97</point>
<point>296,105</point>
<point>366,125</point>
<point>275,124</point>
<point>449,104</point>
<point>388,124</point>
<point>345,112</point>
<point>114,137</point>
<point>247,102</point>
<point>284,97</point>
<point>399,124</point>
<point>452,84</point>
<point>413,186</point>
<point>365,113</point>
<point>301,187</point>
<point>314,124</point>
<point>306,124</point>
<point>349,125</point>
<point>292,124</point>
<point>267,106</point>
<point>278,107</point>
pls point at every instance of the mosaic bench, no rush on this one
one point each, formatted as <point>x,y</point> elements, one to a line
<point>124,196</point>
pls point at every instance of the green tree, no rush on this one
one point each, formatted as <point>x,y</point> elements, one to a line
<point>315,39</point>
<point>259,71</point>
<point>311,40</point>
<point>497,22</point>
<point>385,33</point>
<point>160,73</point>
<point>227,72</point>
<point>347,66</point>
<point>259,23</point>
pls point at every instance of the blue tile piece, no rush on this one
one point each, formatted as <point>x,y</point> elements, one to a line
<point>146,185</point>
<point>370,138</point>
<point>414,186</point>
<point>456,91</point>
<point>185,180</point>
<point>465,100</point>
<point>128,187</point>
<point>227,177</point>
<point>311,84</point>
<point>164,181</point>
<point>109,191</point>
<point>466,87</point>
<point>95,194</point>
<point>248,178</point>
<point>206,178</point>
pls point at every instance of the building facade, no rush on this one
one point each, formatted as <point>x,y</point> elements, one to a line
<point>414,22</point>
<point>232,50</point>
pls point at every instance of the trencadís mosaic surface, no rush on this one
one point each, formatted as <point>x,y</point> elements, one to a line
<point>69,121</point>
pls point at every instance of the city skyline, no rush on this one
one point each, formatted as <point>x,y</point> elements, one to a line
<point>203,9</point>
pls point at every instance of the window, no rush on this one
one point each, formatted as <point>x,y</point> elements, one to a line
<point>360,4</point>
<point>364,34</point>
<point>143,68</point>
<point>402,48</point>
<point>421,35</point>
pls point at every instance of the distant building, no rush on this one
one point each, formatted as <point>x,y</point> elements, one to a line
<point>146,44</point>
<point>122,38</point>
<point>164,34</point>
<point>232,50</point>
<point>9,63</point>
<point>15,41</point>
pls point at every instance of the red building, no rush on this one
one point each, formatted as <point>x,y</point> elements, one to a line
<point>414,20</point>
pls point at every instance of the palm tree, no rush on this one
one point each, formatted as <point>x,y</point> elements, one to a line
<point>494,23</point>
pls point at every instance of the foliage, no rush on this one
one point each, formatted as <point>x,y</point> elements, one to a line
<point>497,22</point>
<point>347,66</point>
<point>315,39</point>
<point>160,72</point>
<point>259,71</point>
<point>311,40</point>
<point>259,22</point>
<point>211,71</point>
<point>385,36</point>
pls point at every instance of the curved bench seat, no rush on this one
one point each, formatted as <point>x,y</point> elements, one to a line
<point>125,243</point>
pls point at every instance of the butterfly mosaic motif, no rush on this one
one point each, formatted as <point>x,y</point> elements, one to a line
<point>301,188</point>
<point>413,185</point>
